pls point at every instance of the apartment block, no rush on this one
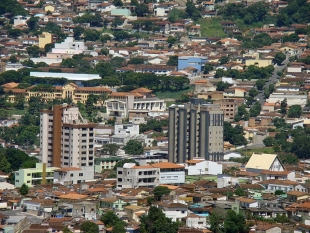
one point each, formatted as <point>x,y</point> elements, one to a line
<point>195,130</point>
<point>41,174</point>
<point>230,107</point>
<point>66,140</point>
<point>73,175</point>
<point>132,176</point>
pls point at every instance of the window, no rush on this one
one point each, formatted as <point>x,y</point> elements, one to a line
<point>80,174</point>
<point>28,181</point>
<point>71,175</point>
<point>28,174</point>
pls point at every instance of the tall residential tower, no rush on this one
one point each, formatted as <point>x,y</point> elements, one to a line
<point>195,130</point>
<point>66,140</point>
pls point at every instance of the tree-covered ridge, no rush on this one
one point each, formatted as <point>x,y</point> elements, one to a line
<point>11,7</point>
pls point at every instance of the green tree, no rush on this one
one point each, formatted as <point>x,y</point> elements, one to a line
<point>279,58</point>
<point>68,63</point>
<point>117,2</point>
<point>234,223</point>
<point>221,86</point>
<point>91,35</point>
<point>24,189</point>
<point>173,61</point>
<point>268,141</point>
<point>123,161</point>
<point>14,33</point>
<point>109,219</point>
<point>66,230</point>
<point>208,67</point>
<point>279,122</point>
<point>294,111</point>
<point>283,106</point>
<point>224,60</point>
<point>171,41</point>
<point>13,59</point>
<point>156,221</point>
<point>32,23</point>
<point>219,73</point>
<point>110,149</point>
<point>33,51</point>
<point>133,147</point>
<point>20,102</point>
<point>89,227</point>
<point>5,166</point>
<point>119,227</point>
<point>191,11</point>
<point>77,32</point>
<point>239,192</point>
<point>160,191</point>
<point>142,10</point>
<point>260,84</point>
<point>255,110</point>
<point>215,220</point>
<point>301,146</point>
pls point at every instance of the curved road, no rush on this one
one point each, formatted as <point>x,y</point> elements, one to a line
<point>272,80</point>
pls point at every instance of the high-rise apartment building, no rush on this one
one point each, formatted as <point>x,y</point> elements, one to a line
<point>195,130</point>
<point>66,140</point>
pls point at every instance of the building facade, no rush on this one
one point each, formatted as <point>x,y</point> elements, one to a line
<point>41,174</point>
<point>196,62</point>
<point>69,91</point>
<point>132,176</point>
<point>66,140</point>
<point>195,130</point>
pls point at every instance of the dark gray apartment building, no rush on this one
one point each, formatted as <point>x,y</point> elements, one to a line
<point>195,130</point>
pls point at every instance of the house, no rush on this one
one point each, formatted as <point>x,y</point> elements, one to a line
<point>177,27</point>
<point>274,185</point>
<point>73,175</point>
<point>112,203</point>
<point>173,210</point>
<point>46,38</point>
<point>294,196</point>
<point>260,162</point>
<point>103,163</point>
<point>199,166</point>
<point>234,93</point>
<point>132,176</point>
<point>197,62</point>
<point>195,221</point>
<point>41,174</point>
<point>246,203</point>
<point>162,9</point>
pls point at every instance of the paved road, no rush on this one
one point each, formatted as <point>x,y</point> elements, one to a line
<point>272,80</point>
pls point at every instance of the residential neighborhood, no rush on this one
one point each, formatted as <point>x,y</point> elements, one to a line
<point>181,116</point>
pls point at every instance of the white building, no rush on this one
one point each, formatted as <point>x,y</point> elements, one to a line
<point>73,175</point>
<point>66,140</point>
<point>246,202</point>
<point>291,98</point>
<point>69,46</point>
<point>200,166</point>
<point>120,108</point>
<point>175,211</point>
<point>196,221</point>
<point>20,20</point>
<point>132,176</point>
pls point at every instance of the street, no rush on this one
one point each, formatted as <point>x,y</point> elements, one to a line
<point>272,80</point>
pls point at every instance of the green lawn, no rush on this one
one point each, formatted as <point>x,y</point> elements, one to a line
<point>16,111</point>
<point>211,27</point>
<point>249,152</point>
<point>191,179</point>
<point>168,103</point>
<point>173,94</point>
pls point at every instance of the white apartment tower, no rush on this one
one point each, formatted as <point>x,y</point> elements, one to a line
<point>66,140</point>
